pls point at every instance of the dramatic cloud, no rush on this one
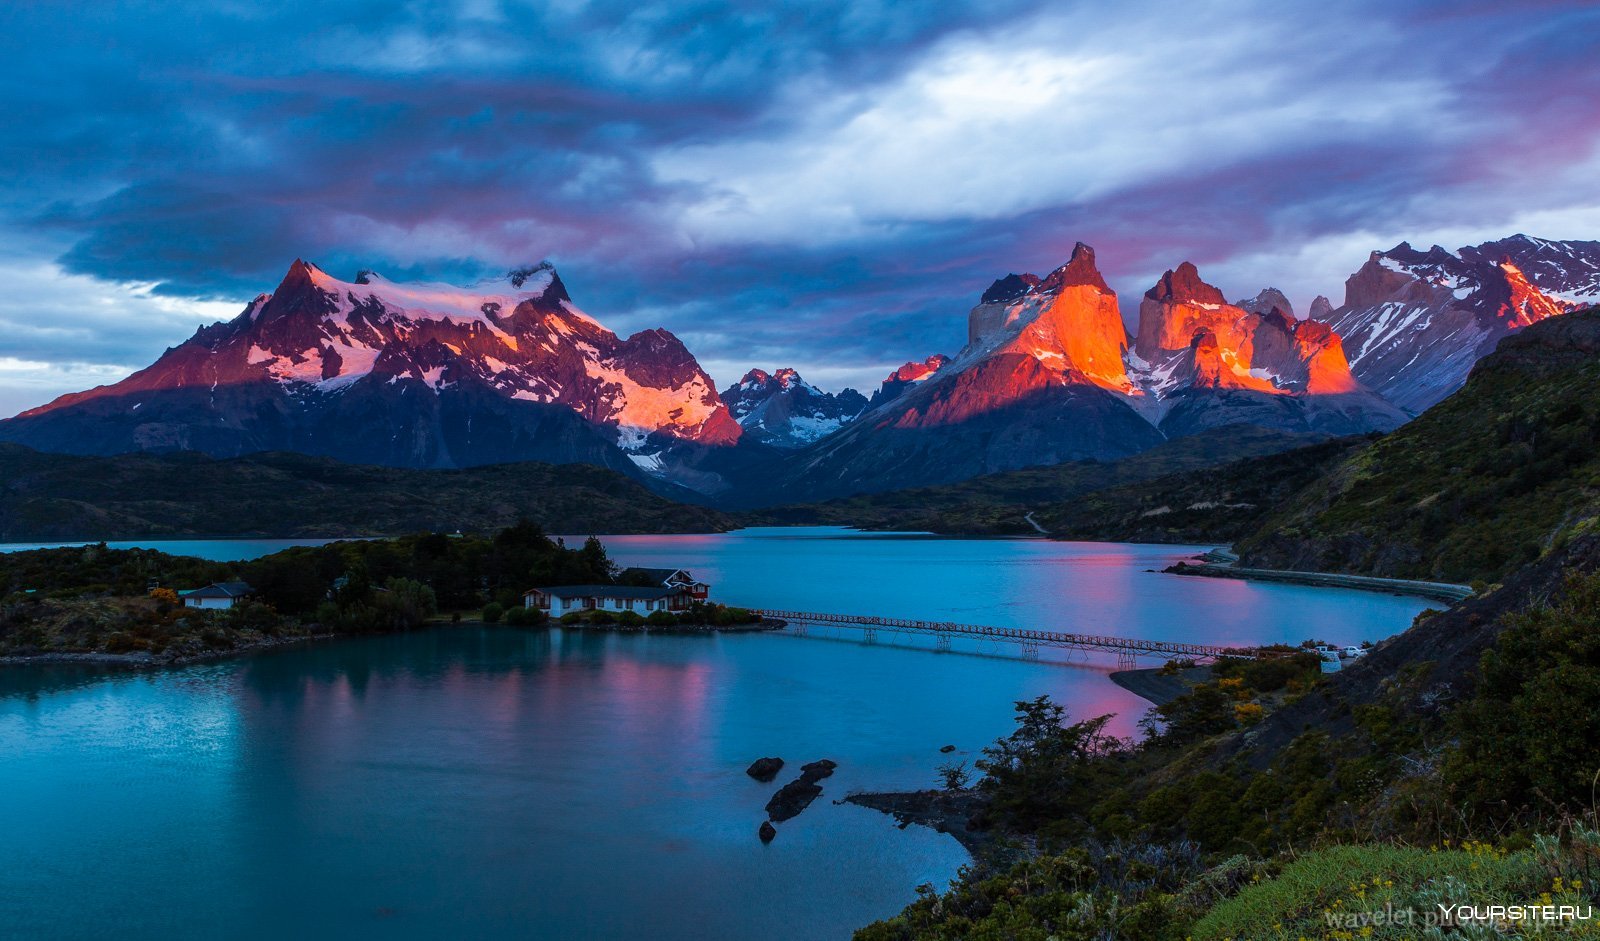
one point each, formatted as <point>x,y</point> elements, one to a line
<point>824,185</point>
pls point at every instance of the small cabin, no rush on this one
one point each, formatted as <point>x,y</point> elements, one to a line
<point>219,596</point>
<point>566,599</point>
<point>666,578</point>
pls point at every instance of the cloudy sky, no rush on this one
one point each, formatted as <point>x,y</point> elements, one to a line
<point>827,185</point>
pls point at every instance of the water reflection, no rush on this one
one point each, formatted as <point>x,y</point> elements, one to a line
<point>559,784</point>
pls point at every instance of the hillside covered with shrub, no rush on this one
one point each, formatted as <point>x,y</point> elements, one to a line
<point>1490,479</point>
<point>1451,766</point>
<point>999,504</point>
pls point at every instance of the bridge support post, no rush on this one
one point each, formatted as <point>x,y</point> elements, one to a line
<point>871,635</point>
<point>799,627</point>
<point>1127,660</point>
<point>1030,649</point>
<point>941,641</point>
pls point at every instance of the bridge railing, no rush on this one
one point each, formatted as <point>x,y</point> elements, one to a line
<point>1055,638</point>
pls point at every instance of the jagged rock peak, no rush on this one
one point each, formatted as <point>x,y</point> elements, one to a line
<point>1321,308</point>
<point>1079,269</point>
<point>517,276</point>
<point>787,378</point>
<point>913,371</point>
<point>1009,288</point>
<point>1268,300</point>
<point>1184,284</point>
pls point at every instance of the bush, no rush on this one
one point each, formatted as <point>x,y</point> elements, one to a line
<point>630,619</point>
<point>662,619</point>
<point>1527,737</point>
<point>524,616</point>
<point>602,617</point>
<point>493,612</point>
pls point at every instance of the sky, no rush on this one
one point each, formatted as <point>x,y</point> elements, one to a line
<point>823,185</point>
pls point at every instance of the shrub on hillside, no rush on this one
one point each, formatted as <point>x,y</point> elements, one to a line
<point>1527,736</point>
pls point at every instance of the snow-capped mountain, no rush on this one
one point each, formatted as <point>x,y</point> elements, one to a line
<point>1414,322</point>
<point>907,377</point>
<point>1049,374</point>
<point>783,410</point>
<point>418,375</point>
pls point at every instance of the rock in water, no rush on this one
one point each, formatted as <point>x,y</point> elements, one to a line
<point>947,749</point>
<point>765,769</point>
<point>767,831</point>
<point>798,794</point>
<point>792,798</point>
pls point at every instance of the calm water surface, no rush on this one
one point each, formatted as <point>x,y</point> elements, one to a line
<point>217,550</point>
<point>546,784</point>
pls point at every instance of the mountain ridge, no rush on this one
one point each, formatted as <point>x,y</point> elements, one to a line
<point>434,375</point>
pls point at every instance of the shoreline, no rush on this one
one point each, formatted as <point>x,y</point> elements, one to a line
<point>145,660</point>
<point>940,811</point>
<point>1156,687</point>
<point>1223,564</point>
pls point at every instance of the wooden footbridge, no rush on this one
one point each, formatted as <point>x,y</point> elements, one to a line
<point>1128,650</point>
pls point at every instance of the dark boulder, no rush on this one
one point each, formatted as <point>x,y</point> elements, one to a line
<point>947,749</point>
<point>767,831</point>
<point>798,794</point>
<point>791,799</point>
<point>765,769</point>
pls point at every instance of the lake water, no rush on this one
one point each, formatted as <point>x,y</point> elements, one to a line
<point>217,550</point>
<point>549,784</point>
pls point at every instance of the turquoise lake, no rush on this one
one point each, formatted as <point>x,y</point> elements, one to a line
<point>496,783</point>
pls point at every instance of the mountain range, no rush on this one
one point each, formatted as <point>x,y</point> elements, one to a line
<point>423,375</point>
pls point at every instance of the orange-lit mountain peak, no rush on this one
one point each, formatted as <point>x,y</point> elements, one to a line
<point>1188,335</point>
<point>1080,269</point>
<point>1179,307</point>
<point>1184,284</point>
<point>1069,321</point>
<point>1526,304</point>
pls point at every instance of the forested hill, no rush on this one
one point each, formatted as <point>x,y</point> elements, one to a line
<point>63,497</point>
<point>999,504</point>
<point>1498,475</point>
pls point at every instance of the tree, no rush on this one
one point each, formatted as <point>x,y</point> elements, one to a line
<point>594,558</point>
<point>954,777</point>
<point>405,604</point>
<point>1042,770</point>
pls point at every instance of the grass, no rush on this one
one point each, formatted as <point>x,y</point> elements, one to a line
<point>1335,892</point>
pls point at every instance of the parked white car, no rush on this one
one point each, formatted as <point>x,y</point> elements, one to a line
<point>1350,653</point>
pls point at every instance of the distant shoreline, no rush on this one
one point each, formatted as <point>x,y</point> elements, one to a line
<point>1223,564</point>
<point>144,660</point>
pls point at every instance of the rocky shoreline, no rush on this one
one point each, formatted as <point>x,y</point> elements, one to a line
<point>1157,687</point>
<point>949,812</point>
